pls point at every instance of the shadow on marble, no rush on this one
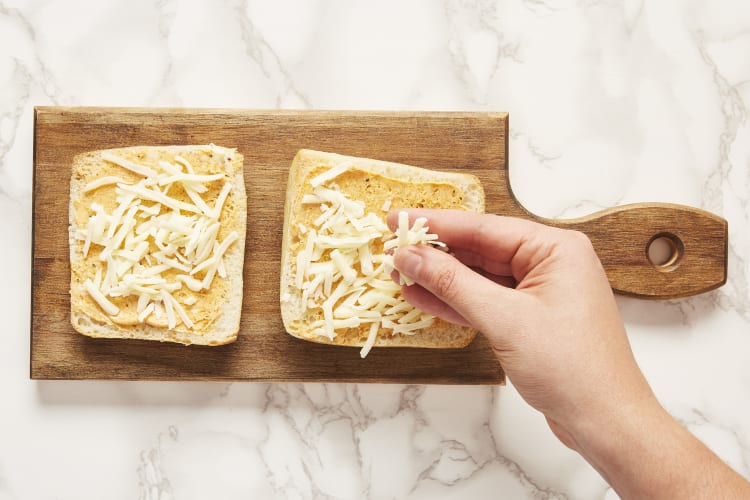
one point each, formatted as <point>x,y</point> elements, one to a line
<point>385,399</point>
<point>150,394</point>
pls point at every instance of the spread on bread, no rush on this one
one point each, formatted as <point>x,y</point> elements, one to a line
<point>336,260</point>
<point>151,226</point>
<point>343,266</point>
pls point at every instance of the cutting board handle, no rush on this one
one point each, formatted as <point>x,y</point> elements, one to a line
<point>695,244</point>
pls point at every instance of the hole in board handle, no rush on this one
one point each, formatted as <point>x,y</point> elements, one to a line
<point>664,251</point>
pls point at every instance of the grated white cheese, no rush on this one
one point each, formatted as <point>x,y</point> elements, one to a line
<point>417,234</point>
<point>183,161</point>
<point>221,199</point>
<point>343,266</point>
<point>166,300</point>
<point>128,165</point>
<point>145,216</point>
<point>342,269</point>
<point>143,302</point>
<point>311,198</point>
<point>330,174</point>
<point>100,299</point>
<point>181,312</point>
<point>221,269</point>
<point>189,178</point>
<point>154,194</point>
<point>158,310</point>
<point>192,283</point>
<point>143,315</point>
<point>371,336</point>
<point>103,181</point>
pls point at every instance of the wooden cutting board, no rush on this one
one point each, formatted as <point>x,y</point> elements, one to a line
<point>469,142</point>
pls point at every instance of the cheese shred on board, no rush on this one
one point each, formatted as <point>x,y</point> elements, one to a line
<point>153,238</point>
<point>343,267</point>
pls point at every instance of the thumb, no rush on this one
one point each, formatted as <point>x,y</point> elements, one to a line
<point>479,300</point>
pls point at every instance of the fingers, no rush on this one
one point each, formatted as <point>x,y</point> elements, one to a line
<point>501,245</point>
<point>471,296</point>
<point>472,230</point>
<point>488,264</point>
<point>506,281</point>
<point>424,300</point>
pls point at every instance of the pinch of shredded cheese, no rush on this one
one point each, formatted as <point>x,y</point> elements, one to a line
<point>417,234</point>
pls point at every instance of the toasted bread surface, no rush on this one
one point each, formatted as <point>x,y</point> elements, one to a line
<point>215,311</point>
<point>380,186</point>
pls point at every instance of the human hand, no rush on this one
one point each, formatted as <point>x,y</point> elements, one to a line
<point>542,299</point>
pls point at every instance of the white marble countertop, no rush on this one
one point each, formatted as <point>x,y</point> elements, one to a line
<point>611,101</point>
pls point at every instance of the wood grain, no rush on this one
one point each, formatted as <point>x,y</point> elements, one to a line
<point>469,142</point>
<point>621,237</point>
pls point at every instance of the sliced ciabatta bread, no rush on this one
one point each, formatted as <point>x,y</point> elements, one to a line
<point>335,274</point>
<point>157,239</point>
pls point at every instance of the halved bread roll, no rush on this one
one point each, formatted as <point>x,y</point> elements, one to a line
<point>335,275</point>
<point>157,243</point>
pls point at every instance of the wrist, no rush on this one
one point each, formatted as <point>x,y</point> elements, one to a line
<point>621,436</point>
<point>643,452</point>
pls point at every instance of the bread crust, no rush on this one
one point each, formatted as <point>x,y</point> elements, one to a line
<point>468,187</point>
<point>225,328</point>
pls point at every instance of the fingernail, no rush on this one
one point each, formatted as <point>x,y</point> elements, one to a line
<point>407,261</point>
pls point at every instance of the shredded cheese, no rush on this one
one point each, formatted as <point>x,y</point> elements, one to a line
<point>330,174</point>
<point>417,234</point>
<point>371,336</point>
<point>100,299</point>
<point>129,165</point>
<point>103,181</point>
<point>184,162</point>
<point>343,270</point>
<point>146,215</point>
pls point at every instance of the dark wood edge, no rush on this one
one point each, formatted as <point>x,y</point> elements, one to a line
<point>44,111</point>
<point>726,254</point>
<point>292,380</point>
<point>32,367</point>
<point>647,204</point>
<point>505,119</point>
